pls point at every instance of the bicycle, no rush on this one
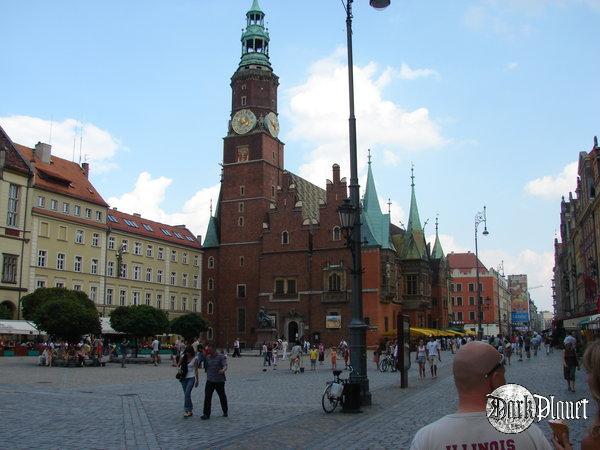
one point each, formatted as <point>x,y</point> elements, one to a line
<point>387,362</point>
<point>334,392</point>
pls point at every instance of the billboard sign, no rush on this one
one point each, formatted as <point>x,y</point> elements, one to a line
<point>519,297</point>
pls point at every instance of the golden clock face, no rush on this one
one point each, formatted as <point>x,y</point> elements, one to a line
<point>272,124</point>
<point>243,121</point>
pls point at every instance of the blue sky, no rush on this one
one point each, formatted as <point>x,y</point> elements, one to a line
<point>491,100</point>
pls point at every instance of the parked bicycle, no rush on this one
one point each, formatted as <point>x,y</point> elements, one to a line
<point>387,362</point>
<point>334,392</point>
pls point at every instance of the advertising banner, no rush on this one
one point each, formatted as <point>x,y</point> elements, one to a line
<point>517,285</point>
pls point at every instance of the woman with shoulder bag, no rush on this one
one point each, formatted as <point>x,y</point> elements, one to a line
<point>188,377</point>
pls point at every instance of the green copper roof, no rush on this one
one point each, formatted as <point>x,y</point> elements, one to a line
<point>414,223</point>
<point>437,252</point>
<point>375,228</point>
<point>414,246</point>
<point>211,239</point>
<point>255,39</point>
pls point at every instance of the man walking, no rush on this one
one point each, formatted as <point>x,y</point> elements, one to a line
<point>216,366</point>
<point>123,349</point>
<point>155,349</point>
<point>236,348</point>
<point>433,352</point>
<point>478,370</point>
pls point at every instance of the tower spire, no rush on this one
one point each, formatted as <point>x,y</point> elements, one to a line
<point>438,252</point>
<point>414,222</point>
<point>255,39</point>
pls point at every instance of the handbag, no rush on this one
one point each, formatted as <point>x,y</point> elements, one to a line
<point>180,375</point>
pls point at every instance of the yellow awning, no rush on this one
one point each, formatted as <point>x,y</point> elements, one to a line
<point>453,333</point>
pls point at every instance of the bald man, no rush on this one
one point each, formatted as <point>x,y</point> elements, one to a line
<point>478,371</point>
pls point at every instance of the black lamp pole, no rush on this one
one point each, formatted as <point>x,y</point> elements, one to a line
<point>480,217</point>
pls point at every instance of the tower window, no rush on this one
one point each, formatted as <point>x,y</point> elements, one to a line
<point>241,207</point>
<point>336,233</point>
<point>240,221</point>
<point>243,100</point>
<point>243,87</point>
<point>272,191</point>
<point>285,237</point>
<point>242,191</point>
<point>241,261</point>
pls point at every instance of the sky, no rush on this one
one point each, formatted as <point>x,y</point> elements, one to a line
<point>491,100</point>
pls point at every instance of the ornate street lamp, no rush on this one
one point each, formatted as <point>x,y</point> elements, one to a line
<point>357,327</point>
<point>480,217</point>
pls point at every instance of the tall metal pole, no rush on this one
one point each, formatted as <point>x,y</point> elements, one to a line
<point>357,327</point>
<point>479,306</point>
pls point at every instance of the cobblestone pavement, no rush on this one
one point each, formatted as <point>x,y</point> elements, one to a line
<point>142,406</point>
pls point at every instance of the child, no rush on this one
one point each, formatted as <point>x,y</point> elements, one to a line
<point>313,358</point>
<point>333,359</point>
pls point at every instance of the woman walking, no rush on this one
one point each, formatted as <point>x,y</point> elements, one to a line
<point>321,354</point>
<point>420,358</point>
<point>189,378</point>
<point>570,363</point>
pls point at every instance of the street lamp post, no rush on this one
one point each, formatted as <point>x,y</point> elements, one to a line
<point>480,217</point>
<point>351,210</point>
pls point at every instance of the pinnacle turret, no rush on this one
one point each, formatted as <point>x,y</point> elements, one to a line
<point>414,222</point>
<point>255,39</point>
<point>438,252</point>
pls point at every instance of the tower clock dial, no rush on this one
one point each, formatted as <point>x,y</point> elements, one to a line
<point>243,121</point>
<point>272,124</point>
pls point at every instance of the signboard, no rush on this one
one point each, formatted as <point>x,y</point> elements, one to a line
<point>519,299</point>
<point>406,342</point>
<point>333,321</point>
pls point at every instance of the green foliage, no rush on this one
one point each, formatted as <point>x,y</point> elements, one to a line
<point>139,321</point>
<point>189,326</point>
<point>5,312</point>
<point>62,313</point>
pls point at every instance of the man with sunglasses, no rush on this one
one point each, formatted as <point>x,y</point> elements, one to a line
<point>478,370</point>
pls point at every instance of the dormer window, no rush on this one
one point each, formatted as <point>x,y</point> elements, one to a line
<point>285,238</point>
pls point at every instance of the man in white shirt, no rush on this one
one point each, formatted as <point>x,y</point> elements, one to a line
<point>570,339</point>
<point>478,371</point>
<point>433,355</point>
<point>155,348</point>
<point>236,348</point>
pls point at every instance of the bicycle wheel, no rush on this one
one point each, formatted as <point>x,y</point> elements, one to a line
<point>383,365</point>
<point>328,401</point>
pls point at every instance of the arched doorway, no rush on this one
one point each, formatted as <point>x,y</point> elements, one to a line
<point>7,310</point>
<point>293,331</point>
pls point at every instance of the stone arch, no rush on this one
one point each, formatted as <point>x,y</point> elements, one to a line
<point>8,310</point>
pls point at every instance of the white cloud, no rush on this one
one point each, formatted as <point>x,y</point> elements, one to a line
<point>147,198</point>
<point>406,73</point>
<point>98,146</point>
<point>318,112</point>
<point>511,66</point>
<point>553,187</point>
<point>449,243</point>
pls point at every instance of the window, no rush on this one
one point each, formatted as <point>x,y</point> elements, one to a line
<point>159,276</point>
<point>99,216</point>
<point>77,287</point>
<point>60,284</point>
<point>243,100</point>
<point>148,298</point>
<point>41,202</point>
<point>173,301</point>
<point>184,258</point>
<point>241,207</point>
<point>166,232</point>
<point>471,287</point>
<point>472,316</point>
<point>173,278</point>
<point>112,218</point>
<point>471,301</point>
<point>211,262</point>
<point>124,245</point>
<point>149,251</point>
<point>196,261</point>
<point>184,303</point>
<point>93,293</point>
<point>41,262</point>
<point>95,240</point>
<point>241,261</point>
<point>123,270</point>
<point>240,222</point>
<point>137,248</point>
<point>195,305</point>
<point>291,286</point>
<point>136,297</point>
<point>88,213</point>
<point>9,268</point>
<point>241,291</point>
<point>459,316</point>
<point>41,284</point>
<point>280,287</point>
<point>195,282</point>
<point>122,297</point>
<point>210,308</point>
<point>77,264</point>
<point>66,208</point>
<point>336,234</point>
<point>79,236</point>
<point>110,269</point>
<point>209,334</point>
<point>53,205</point>
<point>451,287</point>
<point>210,284</point>
<point>285,237</point>
<point>60,261</point>
<point>458,287</point>
<point>459,301</point>
<point>411,284</point>
<point>147,227</point>
<point>44,229</point>
<point>161,253</point>
<point>77,210</point>
<point>385,324</point>
<point>137,272</point>
<point>94,267</point>
<point>241,320</point>
<point>109,296</point>
<point>334,282</point>
<point>173,255</point>
<point>148,274</point>
<point>184,280</point>
<point>111,242</point>
<point>159,301</point>
<point>13,206</point>
<point>242,191</point>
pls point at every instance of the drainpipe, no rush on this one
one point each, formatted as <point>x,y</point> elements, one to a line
<point>29,178</point>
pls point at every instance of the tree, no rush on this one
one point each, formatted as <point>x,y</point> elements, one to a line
<point>189,326</point>
<point>139,320</point>
<point>31,303</point>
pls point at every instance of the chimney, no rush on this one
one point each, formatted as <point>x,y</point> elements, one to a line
<point>138,215</point>
<point>86,169</point>
<point>336,173</point>
<point>43,151</point>
<point>115,208</point>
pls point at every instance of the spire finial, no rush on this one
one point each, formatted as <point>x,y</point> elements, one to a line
<point>369,156</point>
<point>211,207</point>
<point>436,223</point>
<point>389,203</point>
<point>412,174</point>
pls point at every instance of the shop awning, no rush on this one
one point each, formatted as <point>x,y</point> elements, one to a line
<point>17,327</point>
<point>452,333</point>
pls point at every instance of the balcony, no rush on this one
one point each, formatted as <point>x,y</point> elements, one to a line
<point>335,297</point>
